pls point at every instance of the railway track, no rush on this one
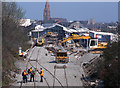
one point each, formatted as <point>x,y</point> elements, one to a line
<point>35,67</point>
<point>46,70</point>
<point>66,77</point>
<point>21,85</point>
<point>28,62</point>
<point>59,67</point>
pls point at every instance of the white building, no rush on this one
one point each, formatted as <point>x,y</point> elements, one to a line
<point>103,36</point>
<point>39,27</point>
<point>24,22</point>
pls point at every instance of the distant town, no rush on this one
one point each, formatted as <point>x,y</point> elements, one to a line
<point>74,25</point>
<point>56,52</point>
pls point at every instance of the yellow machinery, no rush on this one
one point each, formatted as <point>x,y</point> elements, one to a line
<point>92,44</point>
<point>40,41</point>
<point>75,36</point>
<point>49,33</point>
<point>96,47</point>
<point>61,55</point>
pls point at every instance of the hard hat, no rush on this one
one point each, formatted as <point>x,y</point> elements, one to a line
<point>24,70</point>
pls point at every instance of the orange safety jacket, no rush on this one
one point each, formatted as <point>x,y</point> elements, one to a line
<point>25,73</point>
<point>41,74</point>
<point>30,70</point>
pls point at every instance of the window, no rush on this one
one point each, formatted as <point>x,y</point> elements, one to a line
<point>92,43</point>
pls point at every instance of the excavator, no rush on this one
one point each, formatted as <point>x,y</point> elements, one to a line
<point>73,37</point>
<point>96,47</point>
<point>93,45</point>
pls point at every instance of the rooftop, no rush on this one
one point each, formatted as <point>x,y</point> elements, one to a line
<point>47,26</point>
<point>102,33</point>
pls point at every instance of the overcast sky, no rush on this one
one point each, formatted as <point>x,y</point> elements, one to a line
<point>100,11</point>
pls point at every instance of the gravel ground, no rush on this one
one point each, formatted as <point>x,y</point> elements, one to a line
<point>74,70</point>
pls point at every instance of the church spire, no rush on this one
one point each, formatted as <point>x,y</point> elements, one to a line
<point>46,12</point>
<point>47,4</point>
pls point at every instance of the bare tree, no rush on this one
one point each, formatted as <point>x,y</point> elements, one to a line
<point>12,37</point>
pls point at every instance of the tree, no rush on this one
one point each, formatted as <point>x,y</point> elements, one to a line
<point>12,37</point>
<point>110,69</point>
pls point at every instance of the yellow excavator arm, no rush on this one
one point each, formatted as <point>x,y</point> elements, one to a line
<point>66,40</point>
<point>75,36</point>
<point>93,44</point>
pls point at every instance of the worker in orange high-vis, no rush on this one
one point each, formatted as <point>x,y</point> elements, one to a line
<point>29,72</point>
<point>24,74</point>
<point>32,75</point>
<point>41,74</point>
